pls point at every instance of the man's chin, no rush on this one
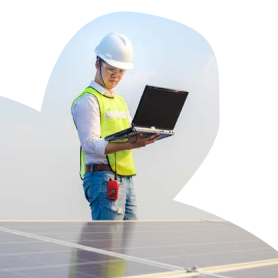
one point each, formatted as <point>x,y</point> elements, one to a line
<point>112,85</point>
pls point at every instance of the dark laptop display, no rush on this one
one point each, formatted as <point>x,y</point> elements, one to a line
<point>157,112</point>
<point>159,107</point>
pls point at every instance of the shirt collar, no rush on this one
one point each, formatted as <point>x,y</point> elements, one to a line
<point>102,90</point>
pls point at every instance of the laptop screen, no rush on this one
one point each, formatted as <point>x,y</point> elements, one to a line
<point>159,107</point>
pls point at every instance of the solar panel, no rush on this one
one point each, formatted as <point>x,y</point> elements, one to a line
<point>132,248</point>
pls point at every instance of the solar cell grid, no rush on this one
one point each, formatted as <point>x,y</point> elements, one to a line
<point>72,249</point>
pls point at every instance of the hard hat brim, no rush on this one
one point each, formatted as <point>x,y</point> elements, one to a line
<point>116,64</point>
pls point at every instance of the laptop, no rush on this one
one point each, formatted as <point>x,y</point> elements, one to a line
<point>157,113</point>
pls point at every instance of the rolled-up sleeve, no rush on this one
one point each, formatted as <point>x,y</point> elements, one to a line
<point>86,116</point>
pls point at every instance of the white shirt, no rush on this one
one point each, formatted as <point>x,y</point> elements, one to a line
<point>86,115</point>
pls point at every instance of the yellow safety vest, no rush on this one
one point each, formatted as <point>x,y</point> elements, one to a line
<point>113,118</point>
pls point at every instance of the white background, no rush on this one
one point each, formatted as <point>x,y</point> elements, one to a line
<point>238,179</point>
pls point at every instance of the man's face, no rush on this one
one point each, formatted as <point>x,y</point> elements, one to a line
<point>111,75</point>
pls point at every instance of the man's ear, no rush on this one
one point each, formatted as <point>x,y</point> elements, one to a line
<point>96,65</point>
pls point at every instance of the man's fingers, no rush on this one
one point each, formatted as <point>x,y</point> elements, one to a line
<point>148,140</point>
<point>153,138</point>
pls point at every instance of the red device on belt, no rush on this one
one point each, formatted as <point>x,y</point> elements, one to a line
<point>113,186</point>
<point>113,190</point>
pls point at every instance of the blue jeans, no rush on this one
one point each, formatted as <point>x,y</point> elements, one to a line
<point>95,188</point>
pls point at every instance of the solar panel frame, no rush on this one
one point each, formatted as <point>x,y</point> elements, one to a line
<point>257,272</point>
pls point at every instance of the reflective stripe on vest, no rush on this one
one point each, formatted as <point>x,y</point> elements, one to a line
<point>113,118</point>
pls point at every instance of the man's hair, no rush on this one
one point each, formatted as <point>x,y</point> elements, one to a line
<point>101,60</point>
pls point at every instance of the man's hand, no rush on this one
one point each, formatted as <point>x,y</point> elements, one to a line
<point>138,143</point>
<point>144,141</point>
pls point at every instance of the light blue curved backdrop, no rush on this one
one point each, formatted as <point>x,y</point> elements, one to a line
<point>40,151</point>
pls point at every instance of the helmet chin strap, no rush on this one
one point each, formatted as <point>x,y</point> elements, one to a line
<point>100,75</point>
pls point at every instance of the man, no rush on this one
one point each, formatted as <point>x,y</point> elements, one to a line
<point>98,112</point>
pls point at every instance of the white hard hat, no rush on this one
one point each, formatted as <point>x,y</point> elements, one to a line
<point>116,50</point>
